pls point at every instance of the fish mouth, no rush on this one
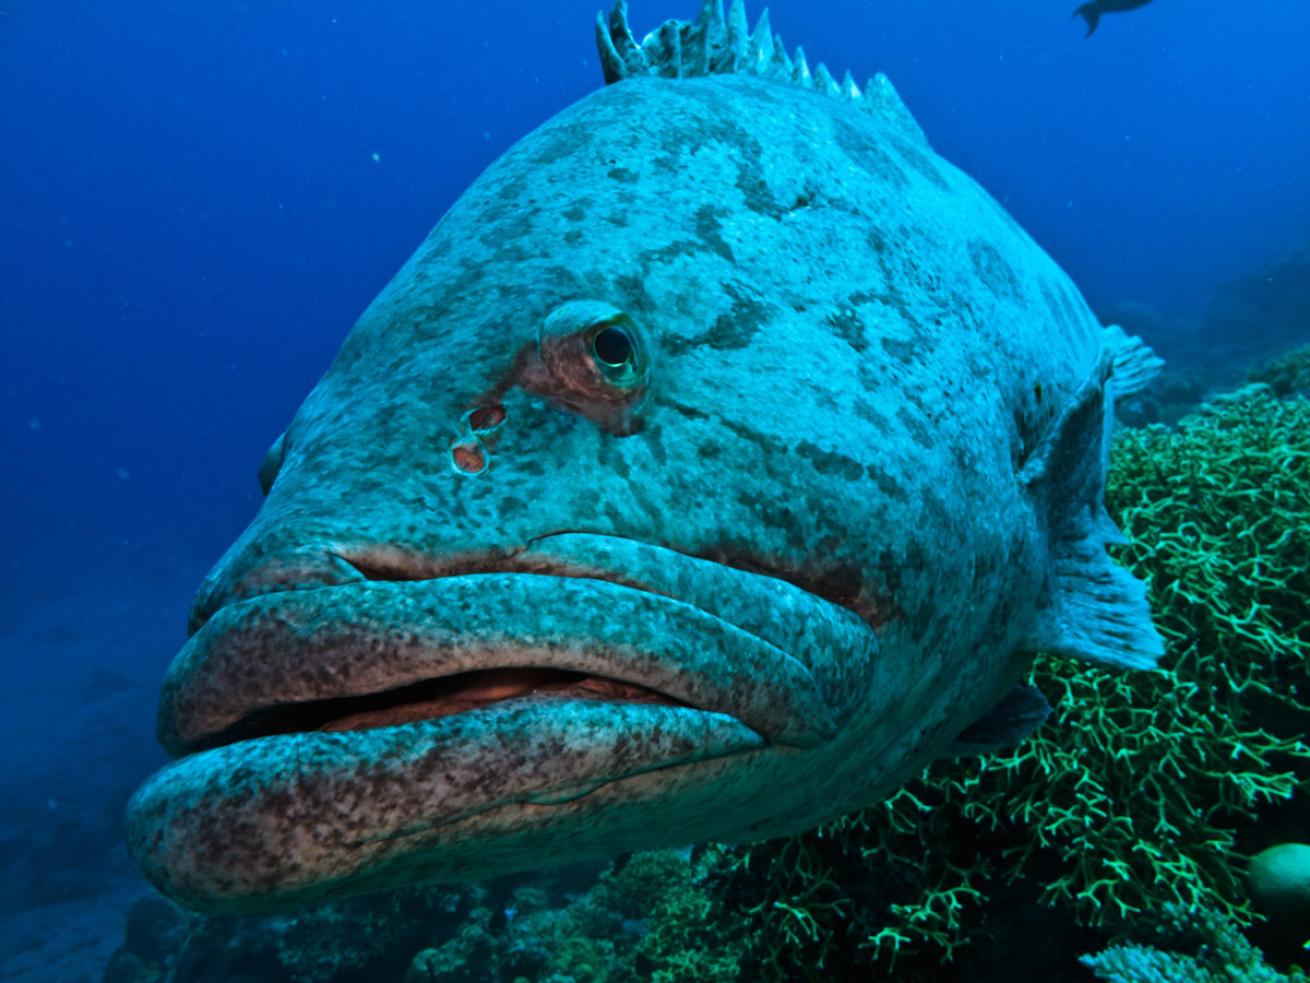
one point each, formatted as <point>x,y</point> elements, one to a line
<point>578,617</point>
<point>390,729</point>
<point>432,699</point>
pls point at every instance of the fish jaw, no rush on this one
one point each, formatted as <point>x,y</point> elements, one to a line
<point>298,780</point>
<point>269,823</point>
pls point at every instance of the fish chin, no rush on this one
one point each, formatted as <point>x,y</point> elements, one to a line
<point>274,821</point>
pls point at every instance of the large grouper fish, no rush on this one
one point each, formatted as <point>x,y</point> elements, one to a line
<point>720,459</point>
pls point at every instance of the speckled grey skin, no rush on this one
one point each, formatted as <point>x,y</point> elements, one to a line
<point>723,454</point>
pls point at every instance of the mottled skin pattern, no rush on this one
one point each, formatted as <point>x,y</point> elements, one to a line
<point>806,528</point>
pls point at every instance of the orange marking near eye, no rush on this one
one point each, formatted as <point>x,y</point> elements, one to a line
<point>487,417</point>
<point>469,457</point>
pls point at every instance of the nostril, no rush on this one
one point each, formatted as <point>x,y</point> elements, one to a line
<point>272,464</point>
<point>304,568</point>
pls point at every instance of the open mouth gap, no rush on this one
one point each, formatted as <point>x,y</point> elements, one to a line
<point>432,698</point>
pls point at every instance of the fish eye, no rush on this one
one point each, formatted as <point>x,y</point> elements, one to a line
<point>612,345</point>
<point>594,352</point>
<point>617,354</point>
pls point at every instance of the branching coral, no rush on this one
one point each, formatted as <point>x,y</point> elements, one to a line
<point>1131,797</point>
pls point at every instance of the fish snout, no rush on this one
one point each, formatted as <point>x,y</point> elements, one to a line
<point>247,572</point>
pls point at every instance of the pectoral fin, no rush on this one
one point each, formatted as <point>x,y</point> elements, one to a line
<point>1019,713</point>
<point>1096,609</point>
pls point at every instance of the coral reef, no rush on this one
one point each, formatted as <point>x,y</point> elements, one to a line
<point>357,940</point>
<point>1192,945</point>
<point>643,920</point>
<point>1134,794</point>
<point>1286,374</point>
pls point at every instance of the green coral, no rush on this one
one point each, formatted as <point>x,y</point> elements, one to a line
<point>1191,946</point>
<point>642,920</point>
<point>1132,796</point>
<point>683,943</point>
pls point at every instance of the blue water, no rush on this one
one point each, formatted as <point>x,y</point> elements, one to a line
<point>197,199</point>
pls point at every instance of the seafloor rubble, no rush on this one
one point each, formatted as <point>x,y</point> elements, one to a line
<point>1118,833</point>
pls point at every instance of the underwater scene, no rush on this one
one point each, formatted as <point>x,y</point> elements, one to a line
<point>679,492</point>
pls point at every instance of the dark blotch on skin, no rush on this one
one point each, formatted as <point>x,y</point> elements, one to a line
<point>679,247</point>
<point>915,427</point>
<point>993,270</point>
<point>830,462</point>
<point>866,412</point>
<point>708,239</point>
<point>888,485</point>
<point>732,329</point>
<point>709,229</point>
<point>562,141</point>
<point>904,351</point>
<point>920,163</point>
<point>865,154</point>
<point>682,409</point>
<point>632,290</point>
<point>719,124</point>
<point>849,327</point>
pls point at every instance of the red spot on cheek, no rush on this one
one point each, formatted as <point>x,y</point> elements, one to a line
<point>468,456</point>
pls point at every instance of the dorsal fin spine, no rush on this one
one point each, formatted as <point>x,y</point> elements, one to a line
<point>715,44</point>
<point>738,36</point>
<point>781,60</point>
<point>848,87</point>
<point>760,60</point>
<point>800,69</point>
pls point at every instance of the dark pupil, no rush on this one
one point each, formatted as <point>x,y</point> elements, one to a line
<point>612,346</point>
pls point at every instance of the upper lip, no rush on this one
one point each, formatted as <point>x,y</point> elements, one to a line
<point>313,653</point>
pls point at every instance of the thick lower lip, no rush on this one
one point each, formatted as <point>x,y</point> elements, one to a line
<point>375,654</point>
<point>261,824</point>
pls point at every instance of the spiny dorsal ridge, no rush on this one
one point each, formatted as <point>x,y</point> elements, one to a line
<point>714,44</point>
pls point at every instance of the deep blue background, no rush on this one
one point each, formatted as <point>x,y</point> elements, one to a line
<point>198,198</point>
<point>192,215</point>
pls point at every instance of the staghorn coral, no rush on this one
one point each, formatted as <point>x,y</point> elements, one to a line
<point>1132,796</point>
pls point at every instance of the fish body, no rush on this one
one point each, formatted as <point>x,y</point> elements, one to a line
<point>1092,12</point>
<point>720,457</point>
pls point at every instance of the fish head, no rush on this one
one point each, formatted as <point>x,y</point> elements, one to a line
<point>610,526</point>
